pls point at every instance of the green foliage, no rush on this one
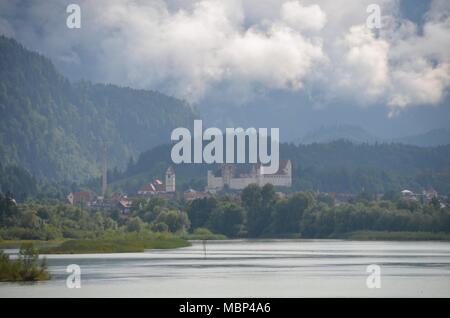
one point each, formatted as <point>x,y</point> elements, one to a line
<point>176,221</point>
<point>342,166</point>
<point>204,234</point>
<point>227,218</point>
<point>35,221</point>
<point>114,246</point>
<point>199,211</point>
<point>56,129</point>
<point>261,213</point>
<point>161,215</point>
<point>398,236</point>
<point>259,203</point>
<point>135,225</point>
<point>26,268</point>
<point>288,212</point>
<point>118,241</point>
<point>17,181</point>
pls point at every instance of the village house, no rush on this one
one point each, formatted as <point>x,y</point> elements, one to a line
<point>79,198</point>
<point>191,195</point>
<point>124,205</point>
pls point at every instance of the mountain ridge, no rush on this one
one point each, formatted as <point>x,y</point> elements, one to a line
<point>357,134</point>
<point>57,129</point>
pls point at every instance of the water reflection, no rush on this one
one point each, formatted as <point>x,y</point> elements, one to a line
<point>246,268</point>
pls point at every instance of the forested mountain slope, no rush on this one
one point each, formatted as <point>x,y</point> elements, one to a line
<point>57,129</point>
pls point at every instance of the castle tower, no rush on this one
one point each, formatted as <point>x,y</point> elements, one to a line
<point>170,180</point>
<point>227,174</point>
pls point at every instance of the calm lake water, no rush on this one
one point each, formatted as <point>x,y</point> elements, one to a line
<point>253,268</point>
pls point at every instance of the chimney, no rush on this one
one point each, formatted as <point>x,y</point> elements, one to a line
<point>104,172</point>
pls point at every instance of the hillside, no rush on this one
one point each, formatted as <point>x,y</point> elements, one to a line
<point>435,137</point>
<point>338,166</point>
<point>57,129</point>
<point>356,134</point>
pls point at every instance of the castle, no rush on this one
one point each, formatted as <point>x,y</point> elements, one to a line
<point>237,177</point>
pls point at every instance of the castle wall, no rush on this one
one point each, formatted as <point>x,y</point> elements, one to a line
<point>278,180</point>
<point>241,183</point>
<point>214,183</point>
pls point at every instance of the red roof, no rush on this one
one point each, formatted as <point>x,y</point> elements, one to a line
<point>79,197</point>
<point>147,188</point>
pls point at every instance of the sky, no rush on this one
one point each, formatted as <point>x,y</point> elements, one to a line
<point>296,64</point>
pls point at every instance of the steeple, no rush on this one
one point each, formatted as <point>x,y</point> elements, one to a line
<point>170,179</point>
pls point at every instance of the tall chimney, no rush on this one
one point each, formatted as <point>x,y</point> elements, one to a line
<point>104,172</point>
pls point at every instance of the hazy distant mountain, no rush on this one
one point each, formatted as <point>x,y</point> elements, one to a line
<point>355,134</point>
<point>350,133</point>
<point>435,137</point>
<point>57,129</point>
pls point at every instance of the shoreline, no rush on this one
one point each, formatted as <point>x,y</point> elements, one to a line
<point>78,246</point>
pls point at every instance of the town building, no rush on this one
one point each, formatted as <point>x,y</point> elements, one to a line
<point>191,195</point>
<point>159,187</point>
<point>78,198</point>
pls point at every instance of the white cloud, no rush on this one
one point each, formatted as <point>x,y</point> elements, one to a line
<point>364,68</point>
<point>303,17</point>
<point>196,48</point>
<point>419,82</point>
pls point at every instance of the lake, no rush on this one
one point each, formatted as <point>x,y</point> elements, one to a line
<point>253,268</point>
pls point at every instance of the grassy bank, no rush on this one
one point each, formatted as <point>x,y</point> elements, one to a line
<point>123,243</point>
<point>4,244</point>
<point>204,234</point>
<point>396,236</point>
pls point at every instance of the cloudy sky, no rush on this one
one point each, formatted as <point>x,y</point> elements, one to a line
<point>236,52</point>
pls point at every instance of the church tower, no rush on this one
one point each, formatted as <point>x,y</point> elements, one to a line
<point>170,180</point>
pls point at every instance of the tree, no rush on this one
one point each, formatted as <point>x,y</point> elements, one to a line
<point>199,211</point>
<point>259,203</point>
<point>227,218</point>
<point>288,213</point>
<point>135,225</point>
<point>176,221</point>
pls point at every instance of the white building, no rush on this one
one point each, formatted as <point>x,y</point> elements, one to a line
<point>237,177</point>
<point>170,180</point>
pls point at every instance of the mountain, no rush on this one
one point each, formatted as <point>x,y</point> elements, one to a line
<point>356,134</point>
<point>57,129</point>
<point>435,137</point>
<point>350,133</point>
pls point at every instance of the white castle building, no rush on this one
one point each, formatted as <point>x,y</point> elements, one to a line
<point>237,177</point>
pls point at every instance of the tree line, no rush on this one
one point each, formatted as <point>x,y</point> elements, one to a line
<point>255,212</point>
<point>260,212</point>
